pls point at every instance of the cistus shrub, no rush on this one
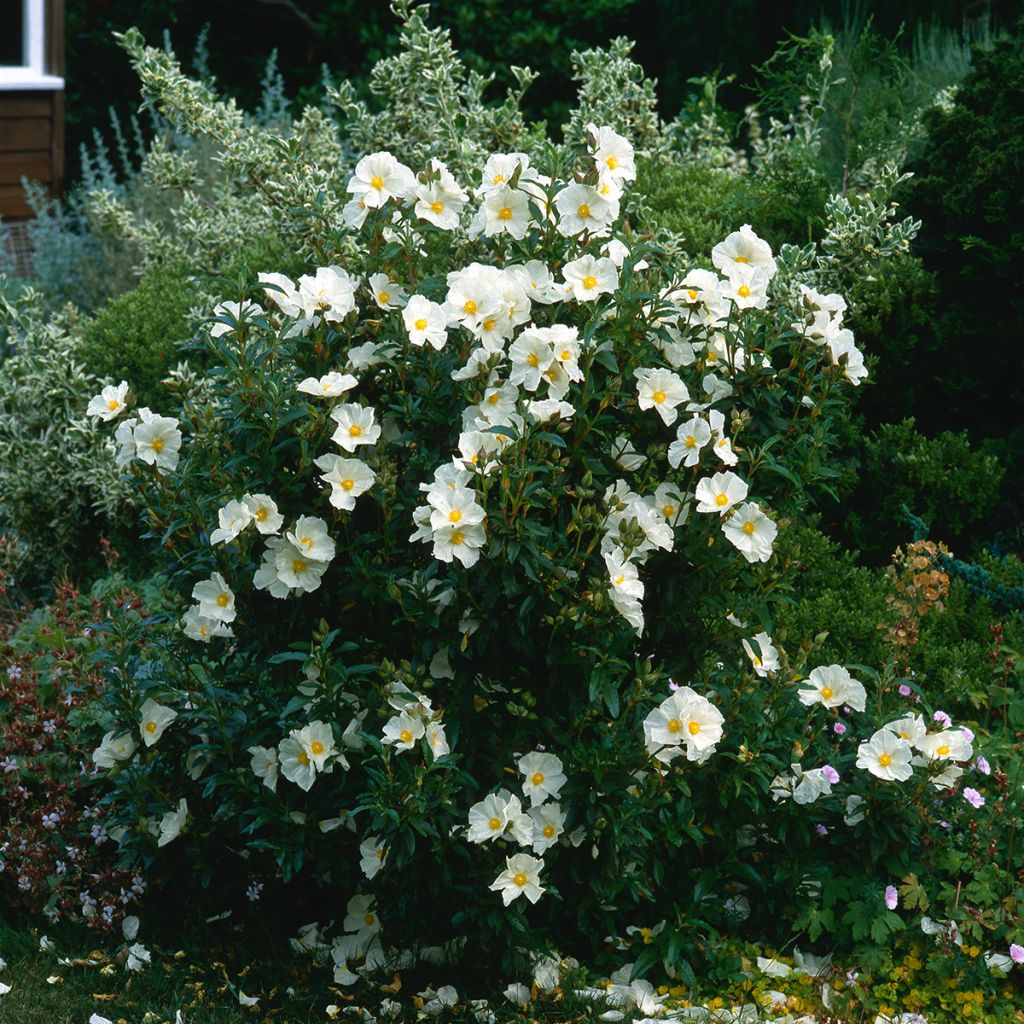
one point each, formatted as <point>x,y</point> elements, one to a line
<point>472,531</point>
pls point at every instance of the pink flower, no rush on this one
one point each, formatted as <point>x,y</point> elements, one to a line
<point>892,897</point>
<point>904,690</point>
<point>983,766</point>
<point>968,733</point>
<point>830,773</point>
<point>839,728</point>
<point>943,718</point>
<point>1016,953</point>
<point>973,797</point>
<point>821,830</point>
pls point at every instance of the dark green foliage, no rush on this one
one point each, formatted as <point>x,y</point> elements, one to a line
<point>135,336</point>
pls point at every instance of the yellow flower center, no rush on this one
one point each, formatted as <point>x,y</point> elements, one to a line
<point>151,727</point>
<point>355,430</point>
<point>505,213</point>
<point>490,324</point>
<point>497,179</point>
<point>437,206</point>
<point>619,580</point>
<point>383,298</point>
<point>369,919</point>
<point>454,516</point>
<point>743,292</point>
<point>203,631</point>
<point>589,282</point>
<point>299,566</point>
<point>347,485</point>
<point>458,537</point>
<point>537,778</point>
<point>826,693</point>
<point>943,751</point>
<point>223,600</point>
<point>741,259</point>
<point>565,355</point>
<point>302,757</point>
<point>549,831</point>
<point>712,355</point>
<point>757,661</point>
<point>421,324</point>
<point>691,441</point>
<point>612,162</point>
<point>113,404</point>
<point>885,760</point>
<point>692,292</point>
<point>748,528</point>
<point>261,515</point>
<point>520,879</point>
<point>494,398</point>
<point>668,511</point>
<point>532,360</point>
<point>380,854</point>
<point>469,307</point>
<point>306,542</point>
<point>495,824</point>
<point>405,736</point>
<point>377,181</point>
<point>317,747</point>
<point>721,500</point>
<point>583,211</point>
<point>674,725</point>
<point>694,728</point>
<point>157,444</point>
<point>658,397</point>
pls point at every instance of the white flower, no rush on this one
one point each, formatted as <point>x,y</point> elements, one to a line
<point>291,567</point>
<point>348,478</point>
<point>138,957</point>
<point>832,686</point>
<point>947,745</point>
<point>746,287</point>
<point>500,169</point>
<point>330,291</point>
<point>172,823</point>
<point>530,354</point>
<point>661,390</point>
<point>691,436</point>
<point>441,202</point>
<point>504,211</point>
<point>109,403</point>
<point>388,294</point>
<point>499,815</point>
<point>766,659</point>
<point>264,766</point>
<point>521,877</point>
<point>426,322</point>
<point>744,248</point>
<point>216,599</point>
<point>283,293</point>
<point>114,748</point>
<point>157,441</point>
<point>624,577</point>
<point>310,536</point>
<point>295,763</point>
<point>548,824</point>
<point>197,626</point>
<point>587,277</point>
<point>264,513</point>
<point>459,540</point>
<point>240,312</point>
<point>361,918</point>
<point>720,492</point>
<point>378,178</point>
<point>330,385</point>
<point>886,756</point>
<point>910,728</point>
<point>372,854</point>
<point>543,776</point>
<point>687,718</point>
<point>233,518</point>
<point>355,426</point>
<point>751,531</point>
<point>613,154</point>
<point>153,720</point>
<point>402,731</point>
<point>582,208</point>
<point>124,438</point>
<point>317,740</point>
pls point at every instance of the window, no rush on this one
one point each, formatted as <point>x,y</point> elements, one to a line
<point>23,51</point>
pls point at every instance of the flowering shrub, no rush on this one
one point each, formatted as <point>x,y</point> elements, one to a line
<point>477,526</point>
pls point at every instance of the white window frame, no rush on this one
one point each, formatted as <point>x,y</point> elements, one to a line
<point>32,73</point>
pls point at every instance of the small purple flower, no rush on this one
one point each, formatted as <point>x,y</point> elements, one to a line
<point>839,728</point>
<point>830,773</point>
<point>892,897</point>
<point>1016,953</point>
<point>943,719</point>
<point>673,685</point>
<point>968,733</point>
<point>904,690</point>
<point>821,830</point>
<point>973,797</point>
<point>983,766</point>
<point>943,824</point>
